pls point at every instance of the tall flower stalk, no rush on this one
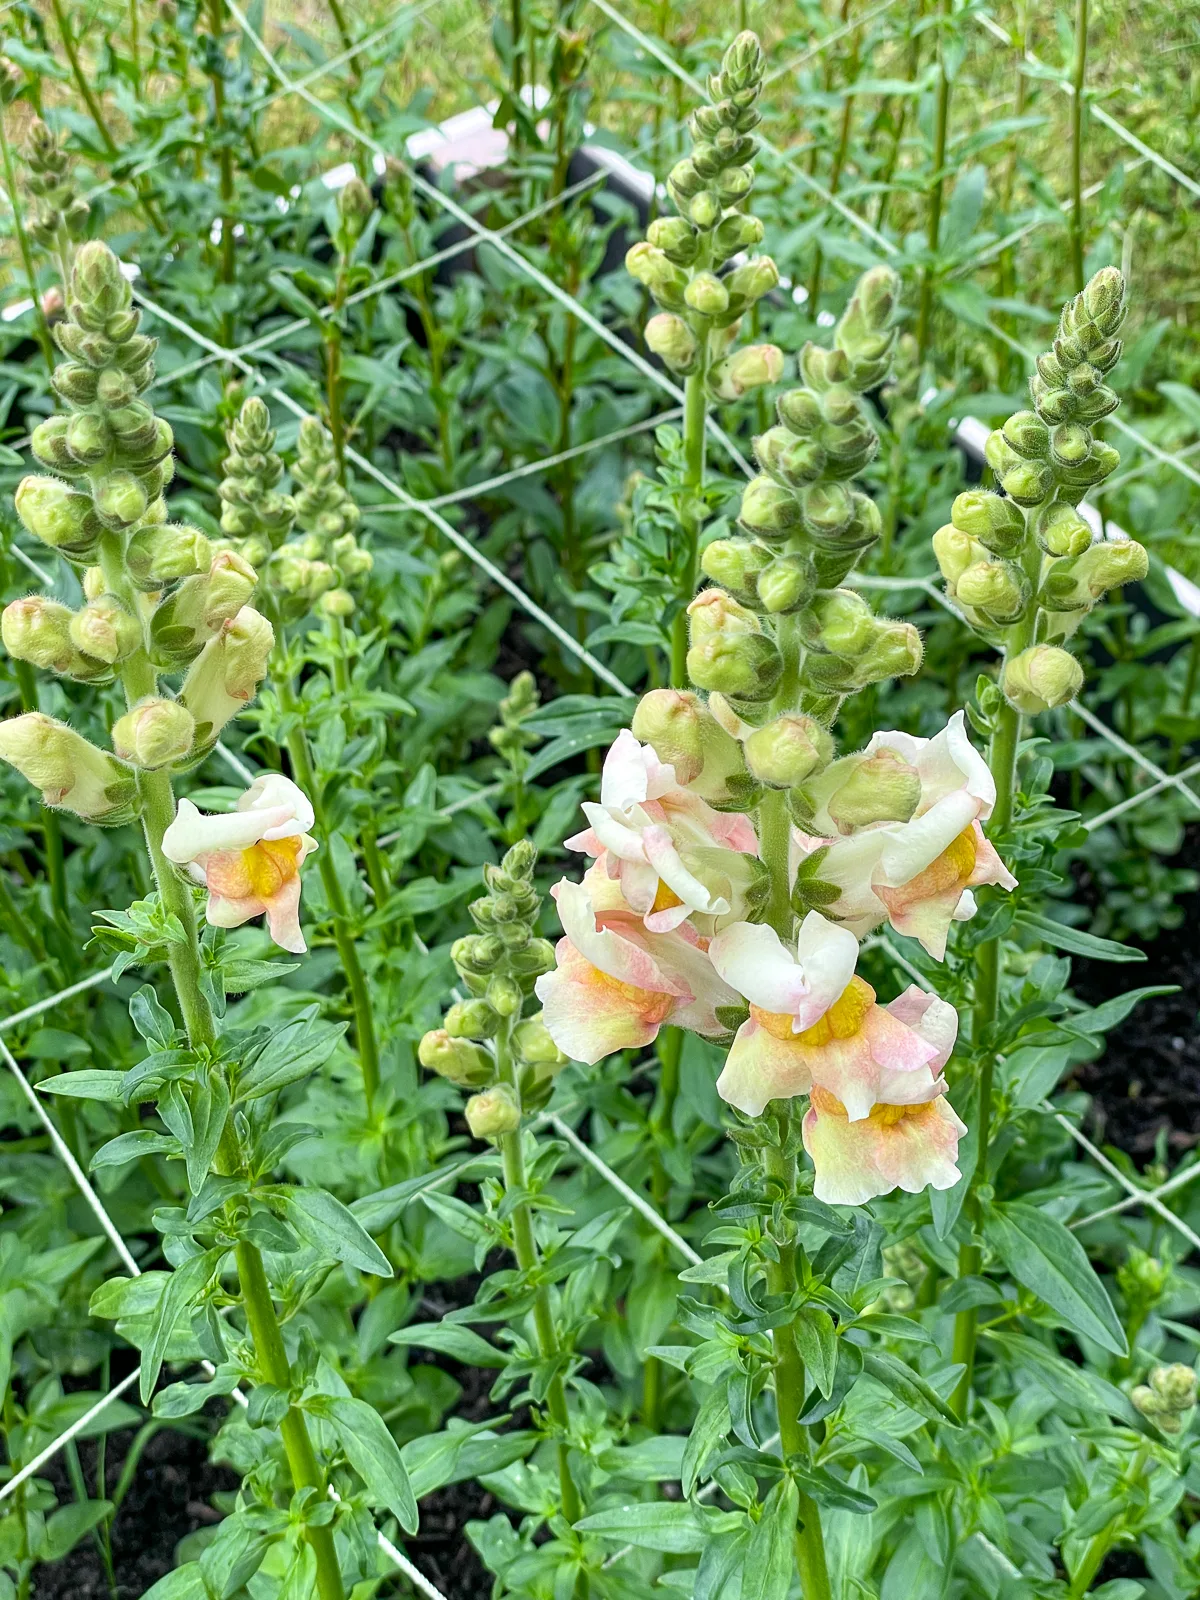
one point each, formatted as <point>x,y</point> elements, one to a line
<point>736,865</point>
<point>1024,569</point>
<point>160,601</point>
<point>679,262</point>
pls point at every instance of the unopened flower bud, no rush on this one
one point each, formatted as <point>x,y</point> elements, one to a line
<point>1110,565</point>
<point>1061,531</point>
<point>841,622</point>
<point>338,603</point>
<point>227,673</point>
<point>800,410</point>
<point>713,613</point>
<point>477,955</point>
<point>705,209</point>
<point>868,788</point>
<point>533,1044</point>
<point>744,666</point>
<point>70,772</point>
<point>786,584</point>
<point>707,294</point>
<point>1028,435</point>
<point>1169,1396</point>
<point>676,238</point>
<point>670,338</point>
<point>747,369</point>
<point>1040,678</point>
<point>105,631</point>
<point>457,1060</point>
<point>155,733</point>
<point>752,280</point>
<point>57,514</point>
<point>795,460</point>
<point>651,267</point>
<point>158,555</point>
<point>120,500</point>
<point>736,233</point>
<point>493,1113</point>
<point>735,564</point>
<point>37,630</point>
<point>1028,483</point>
<point>768,508</point>
<point>355,206</point>
<point>955,551</point>
<point>830,511</point>
<point>683,732</point>
<point>471,1019</point>
<point>786,752</point>
<point>98,289</point>
<point>896,651</point>
<point>997,523</point>
<point>998,589</point>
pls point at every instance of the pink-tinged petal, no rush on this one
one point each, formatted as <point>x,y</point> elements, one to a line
<point>585,842</point>
<point>933,1018</point>
<point>683,956</point>
<point>227,911</point>
<point>927,919</point>
<point>589,1016</point>
<point>894,1045</point>
<point>602,880</point>
<point>989,868</point>
<point>828,955</point>
<point>751,957</point>
<point>735,830</point>
<point>760,1068</point>
<point>639,885</point>
<point>283,917</point>
<point>632,774</point>
<point>910,847</point>
<point>847,1069</point>
<point>621,838</point>
<point>857,1161</point>
<point>610,951</point>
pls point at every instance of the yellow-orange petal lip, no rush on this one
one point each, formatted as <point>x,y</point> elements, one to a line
<point>844,1017</point>
<point>257,872</point>
<point>951,870</point>
<point>665,898</point>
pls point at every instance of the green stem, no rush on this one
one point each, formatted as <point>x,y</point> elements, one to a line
<point>525,1249</point>
<point>1078,79</point>
<point>695,416</point>
<point>934,227</point>
<point>789,1396</point>
<point>343,933</point>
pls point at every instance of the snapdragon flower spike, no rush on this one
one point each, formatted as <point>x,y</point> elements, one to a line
<point>615,983</point>
<point>249,859</point>
<point>899,826</point>
<point>673,855</point>
<point>814,1024</point>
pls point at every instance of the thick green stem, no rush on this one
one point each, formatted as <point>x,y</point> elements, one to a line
<point>525,1249</point>
<point>1078,79</point>
<point>933,233</point>
<point>343,933</point>
<point>789,1398</point>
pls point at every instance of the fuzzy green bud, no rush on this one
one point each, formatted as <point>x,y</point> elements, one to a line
<point>457,1060</point>
<point>735,564</point>
<point>162,554</point>
<point>155,733</point>
<point>863,789</point>
<point>840,622</point>
<point>1040,678</point>
<point>749,368</point>
<point>736,233</point>
<point>1028,435</point>
<point>744,666</point>
<point>58,515</point>
<point>788,751</point>
<point>659,275</point>
<point>70,772</point>
<point>714,613</point>
<point>997,589</point>
<point>120,499</point>
<point>676,238</point>
<point>1061,531</point>
<point>37,630</point>
<point>670,338</point>
<point>472,1019</point>
<point>493,1113</point>
<point>997,523</point>
<point>339,603</point>
<point>768,509</point>
<point>786,584</point>
<point>355,206</point>
<point>105,631</point>
<point>706,294</point>
<point>800,410</point>
<point>748,283</point>
<point>955,552</point>
<point>896,651</point>
<point>1168,1397</point>
<point>794,460</point>
<point>683,732</point>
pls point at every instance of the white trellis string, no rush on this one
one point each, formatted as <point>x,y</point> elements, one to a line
<point>61,1440</point>
<point>53,1000</point>
<point>1134,754</point>
<point>1133,800</point>
<point>1178,1181</point>
<point>641,1205</point>
<point>488,236</point>
<point>1110,122</point>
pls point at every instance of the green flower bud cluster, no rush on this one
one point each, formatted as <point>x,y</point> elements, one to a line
<point>1169,1398</point>
<point>158,596</point>
<point>354,208</point>
<point>254,514</point>
<point>510,738</point>
<point>485,1042</point>
<point>58,214</point>
<point>805,526</point>
<point>329,519</point>
<point>681,258</point>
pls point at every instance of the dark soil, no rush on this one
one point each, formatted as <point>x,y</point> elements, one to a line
<point>1147,1082</point>
<point>170,1497</point>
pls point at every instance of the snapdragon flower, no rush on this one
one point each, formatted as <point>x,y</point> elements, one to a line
<point>249,859</point>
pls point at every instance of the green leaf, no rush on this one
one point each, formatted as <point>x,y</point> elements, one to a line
<point>183,1583</point>
<point>816,1339</point>
<point>829,1490</point>
<point>771,1558</point>
<point>130,1146</point>
<point>1100,1019</point>
<point>372,1452</point>
<point>152,1020</point>
<point>454,1340</point>
<point>1076,940</point>
<point>86,1085</point>
<point>330,1226</point>
<point>182,1288</point>
<point>1048,1259</point>
<point>241,974</point>
<point>670,1527</point>
<point>66,1526</point>
<point>709,1429</point>
<point>908,1386</point>
<point>296,1050</point>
